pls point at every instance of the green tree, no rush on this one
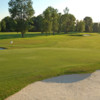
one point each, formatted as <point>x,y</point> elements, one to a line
<point>10,24</point>
<point>66,10</point>
<point>80,26</point>
<point>22,11</point>
<point>88,24</point>
<point>31,24</point>
<point>47,14</point>
<point>0,26</point>
<point>38,23</point>
<point>98,27</point>
<point>59,22</point>
<point>54,20</point>
<point>3,26</point>
<point>50,22</point>
<point>68,22</point>
<point>95,27</point>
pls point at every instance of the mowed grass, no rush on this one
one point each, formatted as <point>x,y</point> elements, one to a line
<point>37,57</point>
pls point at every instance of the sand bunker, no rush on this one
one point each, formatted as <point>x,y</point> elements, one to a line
<point>66,87</point>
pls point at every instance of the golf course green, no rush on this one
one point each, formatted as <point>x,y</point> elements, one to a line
<point>39,56</point>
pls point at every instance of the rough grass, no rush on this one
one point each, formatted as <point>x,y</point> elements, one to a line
<point>37,57</point>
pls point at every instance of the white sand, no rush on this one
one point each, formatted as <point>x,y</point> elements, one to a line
<point>67,87</point>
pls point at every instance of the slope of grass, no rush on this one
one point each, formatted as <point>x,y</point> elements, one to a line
<point>76,40</point>
<point>38,57</point>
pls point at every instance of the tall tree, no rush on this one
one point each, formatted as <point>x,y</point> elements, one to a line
<point>54,20</point>
<point>0,26</point>
<point>88,24</point>
<point>22,11</point>
<point>80,26</point>
<point>68,22</point>
<point>47,14</point>
<point>66,10</point>
<point>59,22</point>
<point>98,27</point>
<point>3,26</point>
<point>95,27</point>
<point>10,24</point>
<point>38,23</point>
<point>50,16</point>
<point>31,24</point>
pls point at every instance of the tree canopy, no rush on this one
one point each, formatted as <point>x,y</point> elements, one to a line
<point>22,11</point>
<point>50,21</point>
<point>80,26</point>
<point>88,24</point>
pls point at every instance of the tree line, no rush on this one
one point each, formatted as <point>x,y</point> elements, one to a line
<point>50,21</point>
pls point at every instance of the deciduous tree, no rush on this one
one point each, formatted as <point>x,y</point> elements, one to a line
<point>88,24</point>
<point>68,22</point>
<point>80,26</point>
<point>3,26</point>
<point>54,20</point>
<point>22,11</point>
<point>95,27</point>
<point>50,16</point>
<point>0,26</point>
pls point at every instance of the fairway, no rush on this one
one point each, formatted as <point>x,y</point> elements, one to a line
<point>38,56</point>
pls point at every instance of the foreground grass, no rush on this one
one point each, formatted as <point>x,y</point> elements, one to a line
<point>38,57</point>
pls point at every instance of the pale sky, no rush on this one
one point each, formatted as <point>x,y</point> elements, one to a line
<point>79,8</point>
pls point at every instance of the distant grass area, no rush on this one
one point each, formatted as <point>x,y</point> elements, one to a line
<point>37,57</point>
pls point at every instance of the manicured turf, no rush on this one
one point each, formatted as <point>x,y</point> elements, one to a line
<point>37,57</point>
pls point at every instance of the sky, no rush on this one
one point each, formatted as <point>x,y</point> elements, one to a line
<point>79,8</point>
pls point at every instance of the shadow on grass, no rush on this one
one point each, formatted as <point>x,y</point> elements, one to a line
<point>75,35</point>
<point>9,36</point>
<point>33,34</point>
<point>27,35</point>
